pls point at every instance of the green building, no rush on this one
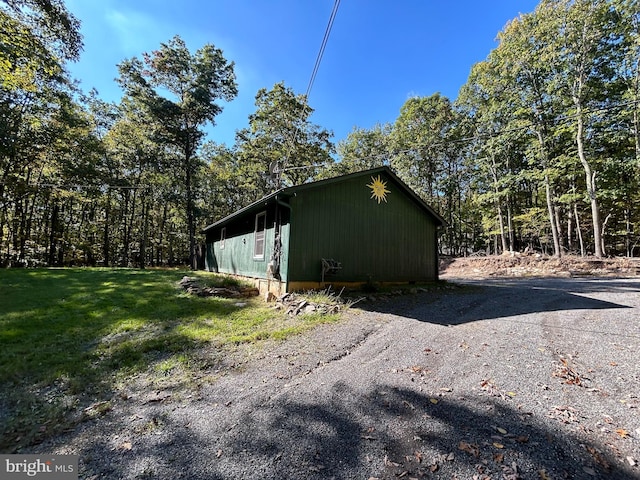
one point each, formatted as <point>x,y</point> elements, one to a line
<point>363,227</point>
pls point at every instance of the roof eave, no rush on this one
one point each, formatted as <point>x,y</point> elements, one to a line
<point>261,202</point>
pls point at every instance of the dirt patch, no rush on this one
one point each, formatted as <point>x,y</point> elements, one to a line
<point>515,265</point>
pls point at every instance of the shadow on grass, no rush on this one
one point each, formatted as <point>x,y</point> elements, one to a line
<point>67,335</point>
<point>388,433</point>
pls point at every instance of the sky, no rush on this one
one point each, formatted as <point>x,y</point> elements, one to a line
<point>378,55</point>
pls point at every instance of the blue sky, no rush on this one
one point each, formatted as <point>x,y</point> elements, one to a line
<point>379,54</point>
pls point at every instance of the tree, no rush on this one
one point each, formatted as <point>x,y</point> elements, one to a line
<point>585,47</point>
<point>281,146</point>
<point>426,153</point>
<point>196,84</point>
<point>362,149</point>
<point>36,38</point>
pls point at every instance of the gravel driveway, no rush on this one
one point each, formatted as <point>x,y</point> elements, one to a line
<point>501,379</point>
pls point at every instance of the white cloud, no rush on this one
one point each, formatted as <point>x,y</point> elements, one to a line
<point>134,31</point>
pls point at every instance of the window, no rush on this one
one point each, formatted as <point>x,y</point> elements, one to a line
<point>259,234</point>
<point>223,236</point>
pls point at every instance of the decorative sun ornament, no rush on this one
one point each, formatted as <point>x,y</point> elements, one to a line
<point>378,189</point>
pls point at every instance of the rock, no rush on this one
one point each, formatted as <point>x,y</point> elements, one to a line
<point>192,287</point>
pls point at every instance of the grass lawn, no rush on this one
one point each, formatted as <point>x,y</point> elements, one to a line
<point>70,338</point>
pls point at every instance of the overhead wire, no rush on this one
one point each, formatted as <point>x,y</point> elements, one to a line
<point>558,120</point>
<point>325,39</point>
<point>323,45</point>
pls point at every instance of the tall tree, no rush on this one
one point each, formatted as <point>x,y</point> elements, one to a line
<point>426,152</point>
<point>581,49</point>
<point>196,83</point>
<point>282,146</point>
<point>37,37</point>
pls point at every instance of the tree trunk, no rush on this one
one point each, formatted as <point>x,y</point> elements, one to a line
<point>130,235</point>
<point>496,191</point>
<point>106,247</point>
<point>569,230</point>
<point>145,230</point>
<point>627,235</point>
<point>503,236</point>
<point>190,213</point>
<point>512,240</point>
<point>590,177</point>
<point>578,229</point>
<point>557,252</point>
<point>52,233</point>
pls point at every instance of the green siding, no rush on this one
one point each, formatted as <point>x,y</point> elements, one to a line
<point>387,241</point>
<point>236,257</point>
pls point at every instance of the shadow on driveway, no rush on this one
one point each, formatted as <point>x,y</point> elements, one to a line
<point>388,433</point>
<point>490,299</point>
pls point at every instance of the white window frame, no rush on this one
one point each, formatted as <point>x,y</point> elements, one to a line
<point>223,236</point>
<point>260,237</point>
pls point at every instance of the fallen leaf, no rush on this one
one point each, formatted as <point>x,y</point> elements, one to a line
<point>543,475</point>
<point>502,430</point>
<point>522,439</point>
<point>469,448</point>
<point>598,457</point>
<point>632,461</point>
<point>622,432</point>
<point>389,463</point>
<point>126,446</point>
<point>434,401</point>
<point>613,364</point>
<point>218,453</point>
<point>498,457</point>
<point>498,445</point>
<point>408,405</point>
<point>450,458</point>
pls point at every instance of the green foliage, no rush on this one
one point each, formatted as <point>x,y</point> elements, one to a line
<point>548,123</point>
<point>543,106</point>
<point>281,146</point>
<point>195,84</point>
<point>361,150</point>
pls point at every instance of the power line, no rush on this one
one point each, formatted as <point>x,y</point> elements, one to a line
<point>278,171</point>
<point>83,186</point>
<point>325,39</point>
<point>556,121</point>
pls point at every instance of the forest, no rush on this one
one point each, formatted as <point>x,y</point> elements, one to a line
<point>540,151</point>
